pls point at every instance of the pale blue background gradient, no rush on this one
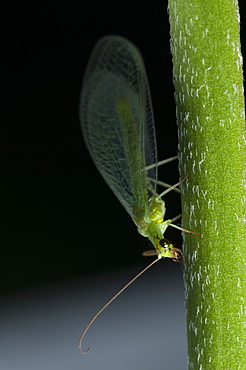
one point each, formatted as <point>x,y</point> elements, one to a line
<point>143,329</point>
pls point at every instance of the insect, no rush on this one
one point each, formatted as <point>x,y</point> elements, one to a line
<point>118,128</point>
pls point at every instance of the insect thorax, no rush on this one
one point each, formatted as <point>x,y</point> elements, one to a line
<point>153,226</point>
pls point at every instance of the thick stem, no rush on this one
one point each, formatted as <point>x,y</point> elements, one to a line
<point>208,83</point>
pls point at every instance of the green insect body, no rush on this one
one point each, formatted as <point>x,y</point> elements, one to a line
<point>118,128</point>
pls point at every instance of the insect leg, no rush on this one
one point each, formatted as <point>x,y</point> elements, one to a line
<point>160,163</point>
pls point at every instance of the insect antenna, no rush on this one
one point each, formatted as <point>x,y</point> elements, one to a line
<point>108,303</point>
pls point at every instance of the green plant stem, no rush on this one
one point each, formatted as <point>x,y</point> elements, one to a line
<point>208,83</point>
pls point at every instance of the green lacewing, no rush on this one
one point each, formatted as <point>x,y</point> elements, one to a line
<point>118,128</point>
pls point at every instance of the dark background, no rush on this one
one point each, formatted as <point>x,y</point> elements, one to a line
<point>59,220</point>
<point>66,243</point>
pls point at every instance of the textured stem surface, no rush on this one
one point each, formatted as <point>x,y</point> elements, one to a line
<point>208,82</point>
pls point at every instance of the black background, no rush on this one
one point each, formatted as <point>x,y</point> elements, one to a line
<point>59,220</point>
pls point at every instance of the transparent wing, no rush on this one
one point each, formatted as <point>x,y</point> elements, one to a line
<point>117,122</point>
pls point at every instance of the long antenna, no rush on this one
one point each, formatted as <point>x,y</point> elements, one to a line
<point>108,303</point>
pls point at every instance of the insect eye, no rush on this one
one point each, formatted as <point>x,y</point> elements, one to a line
<point>164,242</point>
